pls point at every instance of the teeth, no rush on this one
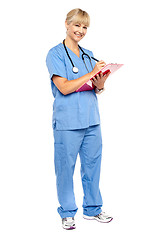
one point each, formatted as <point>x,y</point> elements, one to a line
<point>79,35</point>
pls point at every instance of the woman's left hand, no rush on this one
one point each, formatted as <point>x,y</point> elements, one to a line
<point>99,80</point>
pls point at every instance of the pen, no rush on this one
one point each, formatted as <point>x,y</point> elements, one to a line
<point>95,59</point>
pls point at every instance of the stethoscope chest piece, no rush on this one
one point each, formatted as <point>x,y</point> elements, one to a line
<point>75,69</point>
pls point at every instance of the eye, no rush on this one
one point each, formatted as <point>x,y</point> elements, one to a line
<point>85,27</point>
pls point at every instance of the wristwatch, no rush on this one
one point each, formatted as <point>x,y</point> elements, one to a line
<point>99,91</point>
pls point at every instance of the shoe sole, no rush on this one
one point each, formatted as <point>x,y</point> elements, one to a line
<point>94,218</point>
<point>70,228</point>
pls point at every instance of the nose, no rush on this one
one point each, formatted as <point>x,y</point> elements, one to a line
<point>81,30</point>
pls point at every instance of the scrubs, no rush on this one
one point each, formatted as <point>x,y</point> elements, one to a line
<point>76,127</point>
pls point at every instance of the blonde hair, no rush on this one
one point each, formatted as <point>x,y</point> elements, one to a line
<point>78,16</point>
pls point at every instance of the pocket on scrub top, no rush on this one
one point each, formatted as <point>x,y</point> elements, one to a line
<point>59,158</point>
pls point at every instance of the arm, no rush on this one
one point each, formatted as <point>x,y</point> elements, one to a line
<point>66,87</point>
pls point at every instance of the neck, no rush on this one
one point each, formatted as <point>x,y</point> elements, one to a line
<point>73,45</point>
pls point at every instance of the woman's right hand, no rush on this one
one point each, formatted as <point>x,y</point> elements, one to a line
<point>99,65</point>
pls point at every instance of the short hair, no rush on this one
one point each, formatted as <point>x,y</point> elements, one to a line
<point>78,16</point>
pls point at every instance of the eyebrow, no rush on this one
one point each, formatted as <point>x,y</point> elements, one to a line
<point>81,24</point>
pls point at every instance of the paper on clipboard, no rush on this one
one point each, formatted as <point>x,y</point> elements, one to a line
<point>112,67</point>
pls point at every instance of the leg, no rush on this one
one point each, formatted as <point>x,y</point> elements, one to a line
<point>90,155</point>
<point>66,148</point>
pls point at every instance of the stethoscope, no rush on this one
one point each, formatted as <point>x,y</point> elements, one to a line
<point>75,69</point>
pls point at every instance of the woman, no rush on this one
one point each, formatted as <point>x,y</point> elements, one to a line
<point>76,121</point>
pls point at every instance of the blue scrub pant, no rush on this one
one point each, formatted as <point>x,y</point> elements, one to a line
<point>67,144</point>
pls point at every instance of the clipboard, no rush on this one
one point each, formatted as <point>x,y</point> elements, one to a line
<point>88,86</point>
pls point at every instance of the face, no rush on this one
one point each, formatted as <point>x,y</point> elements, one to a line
<point>76,31</point>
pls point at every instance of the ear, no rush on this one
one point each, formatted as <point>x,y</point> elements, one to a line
<point>66,24</point>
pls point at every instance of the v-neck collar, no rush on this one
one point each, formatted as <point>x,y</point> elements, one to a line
<point>80,52</point>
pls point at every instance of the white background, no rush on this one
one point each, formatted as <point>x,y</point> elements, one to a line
<point>121,31</point>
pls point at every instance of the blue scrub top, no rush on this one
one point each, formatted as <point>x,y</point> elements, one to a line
<point>76,110</point>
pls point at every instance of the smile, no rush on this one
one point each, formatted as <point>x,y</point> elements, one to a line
<point>78,34</point>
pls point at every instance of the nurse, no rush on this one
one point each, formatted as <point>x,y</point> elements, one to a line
<point>76,121</point>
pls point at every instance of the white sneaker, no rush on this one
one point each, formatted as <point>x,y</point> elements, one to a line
<point>102,217</point>
<point>68,223</point>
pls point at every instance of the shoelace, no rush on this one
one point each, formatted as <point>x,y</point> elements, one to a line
<point>103,215</point>
<point>69,219</point>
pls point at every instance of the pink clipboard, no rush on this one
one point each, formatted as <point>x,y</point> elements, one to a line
<point>112,67</point>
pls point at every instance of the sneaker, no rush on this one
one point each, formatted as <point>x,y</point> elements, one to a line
<point>68,223</point>
<point>102,217</point>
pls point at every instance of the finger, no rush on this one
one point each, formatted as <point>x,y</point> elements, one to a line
<point>94,79</point>
<point>101,74</point>
<point>108,73</point>
<point>97,77</point>
<point>102,62</point>
<point>105,77</point>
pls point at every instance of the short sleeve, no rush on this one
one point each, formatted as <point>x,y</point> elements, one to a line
<point>55,64</point>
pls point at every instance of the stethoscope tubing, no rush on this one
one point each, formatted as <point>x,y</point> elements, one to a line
<point>75,69</point>
<point>67,53</point>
